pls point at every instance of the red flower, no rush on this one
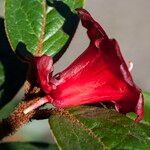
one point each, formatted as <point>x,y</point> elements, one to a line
<point>100,74</point>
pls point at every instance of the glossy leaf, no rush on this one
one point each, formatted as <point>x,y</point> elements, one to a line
<point>27,146</point>
<point>88,127</point>
<point>44,27</point>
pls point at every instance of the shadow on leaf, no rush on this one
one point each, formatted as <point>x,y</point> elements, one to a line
<point>14,69</point>
<point>70,25</point>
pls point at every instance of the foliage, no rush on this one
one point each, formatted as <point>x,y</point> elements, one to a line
<point>44,27</point>
<point>89,127</point>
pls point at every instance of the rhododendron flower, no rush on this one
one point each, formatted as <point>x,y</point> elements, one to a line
<point>99,74</point>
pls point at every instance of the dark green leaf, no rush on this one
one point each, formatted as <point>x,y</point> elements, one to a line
<point>88,127</point>
<point>1,74</point>
<point>27,146</point>
<point>2,77</point>
<point>44,27</point>
<point>12,70</point>
<point>1,81</point>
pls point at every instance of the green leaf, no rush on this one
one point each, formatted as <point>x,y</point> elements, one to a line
<point>89,127</point>
<point>27,146</point>
<point>146,106</point>
<point>44,27</point>
<point>8,108</point>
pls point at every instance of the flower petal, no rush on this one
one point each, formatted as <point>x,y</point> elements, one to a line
<point>99,74</point>
<point>95,31</point>
<point>44,66</point>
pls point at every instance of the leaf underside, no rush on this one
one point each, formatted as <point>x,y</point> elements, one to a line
<point>43,27</point>
<point>88,127</point>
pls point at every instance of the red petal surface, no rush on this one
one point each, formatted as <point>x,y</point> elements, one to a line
<point>44,66</point>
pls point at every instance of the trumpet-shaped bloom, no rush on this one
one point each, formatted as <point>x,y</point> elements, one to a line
<point>99,74</point>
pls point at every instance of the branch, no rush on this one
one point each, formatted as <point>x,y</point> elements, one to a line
<point>17,119</point>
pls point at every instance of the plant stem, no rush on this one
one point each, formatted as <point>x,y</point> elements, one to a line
<point>17,119</point>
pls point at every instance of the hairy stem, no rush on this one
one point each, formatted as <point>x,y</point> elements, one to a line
<point>17,119</point>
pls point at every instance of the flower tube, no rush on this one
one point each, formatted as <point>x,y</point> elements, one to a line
<point>99,74</point>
